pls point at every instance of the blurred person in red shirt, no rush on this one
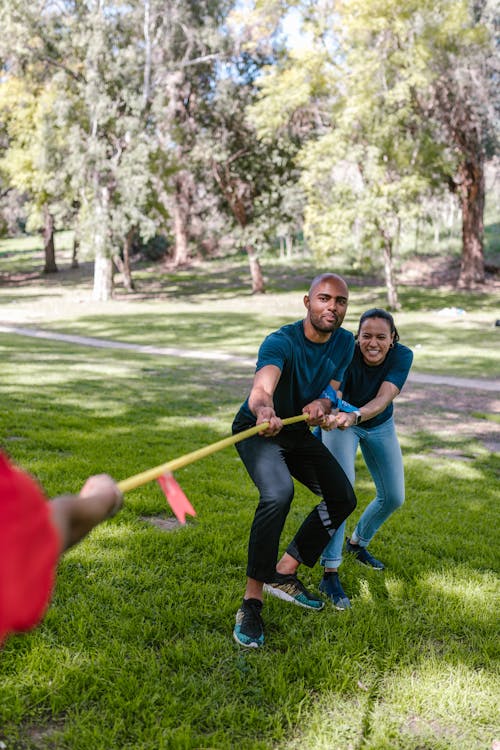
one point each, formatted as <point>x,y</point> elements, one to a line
<point>34,532</point>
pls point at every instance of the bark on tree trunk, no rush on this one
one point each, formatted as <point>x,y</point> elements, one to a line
<point>76,247</point>
<point>103,265</point>
<point>390,284</point>
<point>471,190</point>
<point>124,265</point>
<point>181,220</point>
<point>180,252</point>
<point>258,285</point>
<point>48,242</point>
<point>103,278</point>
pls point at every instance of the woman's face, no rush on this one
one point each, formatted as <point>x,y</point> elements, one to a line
<point>375,340</point>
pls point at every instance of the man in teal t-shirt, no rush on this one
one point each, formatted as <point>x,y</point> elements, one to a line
<point>294,364</point>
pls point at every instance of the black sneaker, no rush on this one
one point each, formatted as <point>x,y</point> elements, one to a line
<point>331,586</point>
<point>249,628</point>
<point>363,556</point>
<point>289,588</point>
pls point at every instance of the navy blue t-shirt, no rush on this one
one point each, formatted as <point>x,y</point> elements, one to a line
<point>306,368</point>
<point>362,382</point>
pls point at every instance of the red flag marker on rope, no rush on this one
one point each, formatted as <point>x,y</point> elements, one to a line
<point>176,497</point>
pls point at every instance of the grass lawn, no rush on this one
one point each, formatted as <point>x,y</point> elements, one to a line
<point>136,650</point>
<point>211,307</point>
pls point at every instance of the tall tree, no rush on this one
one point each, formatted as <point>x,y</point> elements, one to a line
<point>385,122</point>
<point>461,100</point>
<point>255,176</point>
<point>188,44</point>
<point>357,160</point>
<point>112,137</point>
<point>94,54</point>
<point>34,157</point>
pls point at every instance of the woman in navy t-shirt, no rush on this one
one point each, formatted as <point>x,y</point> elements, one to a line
<point>377,373</point>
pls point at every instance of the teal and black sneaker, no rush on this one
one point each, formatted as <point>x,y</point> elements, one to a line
<point>331,586</point>
<point>363,556</point>
<point>290,589</point>
<point>249,628</point>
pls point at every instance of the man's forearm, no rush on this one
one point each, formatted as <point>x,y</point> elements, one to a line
<point>259,400</point>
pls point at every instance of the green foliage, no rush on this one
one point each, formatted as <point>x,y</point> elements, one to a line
<point>380,137</point>
<point>35,157</point>
<point>155,118</point>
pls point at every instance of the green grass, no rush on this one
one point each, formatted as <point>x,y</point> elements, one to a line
<point>211,307</point>
<point>25,254</point>
<point>136,649</point>
<point>489,417</point>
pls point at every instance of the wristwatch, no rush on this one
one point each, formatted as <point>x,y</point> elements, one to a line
<point>358,417</point>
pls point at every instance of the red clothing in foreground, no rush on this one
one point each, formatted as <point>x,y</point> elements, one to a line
<point>29,551</point>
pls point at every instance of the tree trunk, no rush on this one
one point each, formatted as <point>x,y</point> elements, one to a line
<point>124,265</point>
<point>76,247</point>
<point>103,278</point>
<point>103,265</point>
<point>181,219</point>
<point>258,285</point>
<point>390,284</point>
<point>48,242</point>
<point>471,191</point>
<point>437,235</point>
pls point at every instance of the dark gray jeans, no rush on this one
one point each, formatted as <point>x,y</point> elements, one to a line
<point>271,463</point>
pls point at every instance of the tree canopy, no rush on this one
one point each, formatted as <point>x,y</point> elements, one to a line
<point>203,123</point>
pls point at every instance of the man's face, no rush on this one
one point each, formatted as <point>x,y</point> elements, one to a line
<point>327,305</point>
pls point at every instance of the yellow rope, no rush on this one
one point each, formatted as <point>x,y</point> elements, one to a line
<point>177,463</point>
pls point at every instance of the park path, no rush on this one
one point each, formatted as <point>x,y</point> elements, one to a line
<point>482,384</point>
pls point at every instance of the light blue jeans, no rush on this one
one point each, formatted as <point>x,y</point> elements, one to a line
<point>382,454</point>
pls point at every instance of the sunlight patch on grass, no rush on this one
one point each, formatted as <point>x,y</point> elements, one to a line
<point>365,594</point>
<point>395,587</point>
<point>451,466</point>
<point>472,591</point>
<point>333,721</point>
<point>490,417</point>
<point>431,705</point>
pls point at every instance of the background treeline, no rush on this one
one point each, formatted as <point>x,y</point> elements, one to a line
<point>180,128</point>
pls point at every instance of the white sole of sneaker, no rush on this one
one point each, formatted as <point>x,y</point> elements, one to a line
<point>370,567</point>
<point>279,594</point>
<point>246,645</point>
<point>336,606</point>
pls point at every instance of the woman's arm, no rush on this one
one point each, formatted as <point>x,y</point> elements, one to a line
<point>386,394</point>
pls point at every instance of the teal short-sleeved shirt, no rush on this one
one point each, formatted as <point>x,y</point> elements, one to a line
<point>362,382</point>
<point>306,368</point>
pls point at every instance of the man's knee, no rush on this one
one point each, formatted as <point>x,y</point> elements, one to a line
<point>352,502</point>
<point>276,500</point>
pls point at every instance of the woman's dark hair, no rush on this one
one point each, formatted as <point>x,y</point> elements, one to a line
<point>379,312</point>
